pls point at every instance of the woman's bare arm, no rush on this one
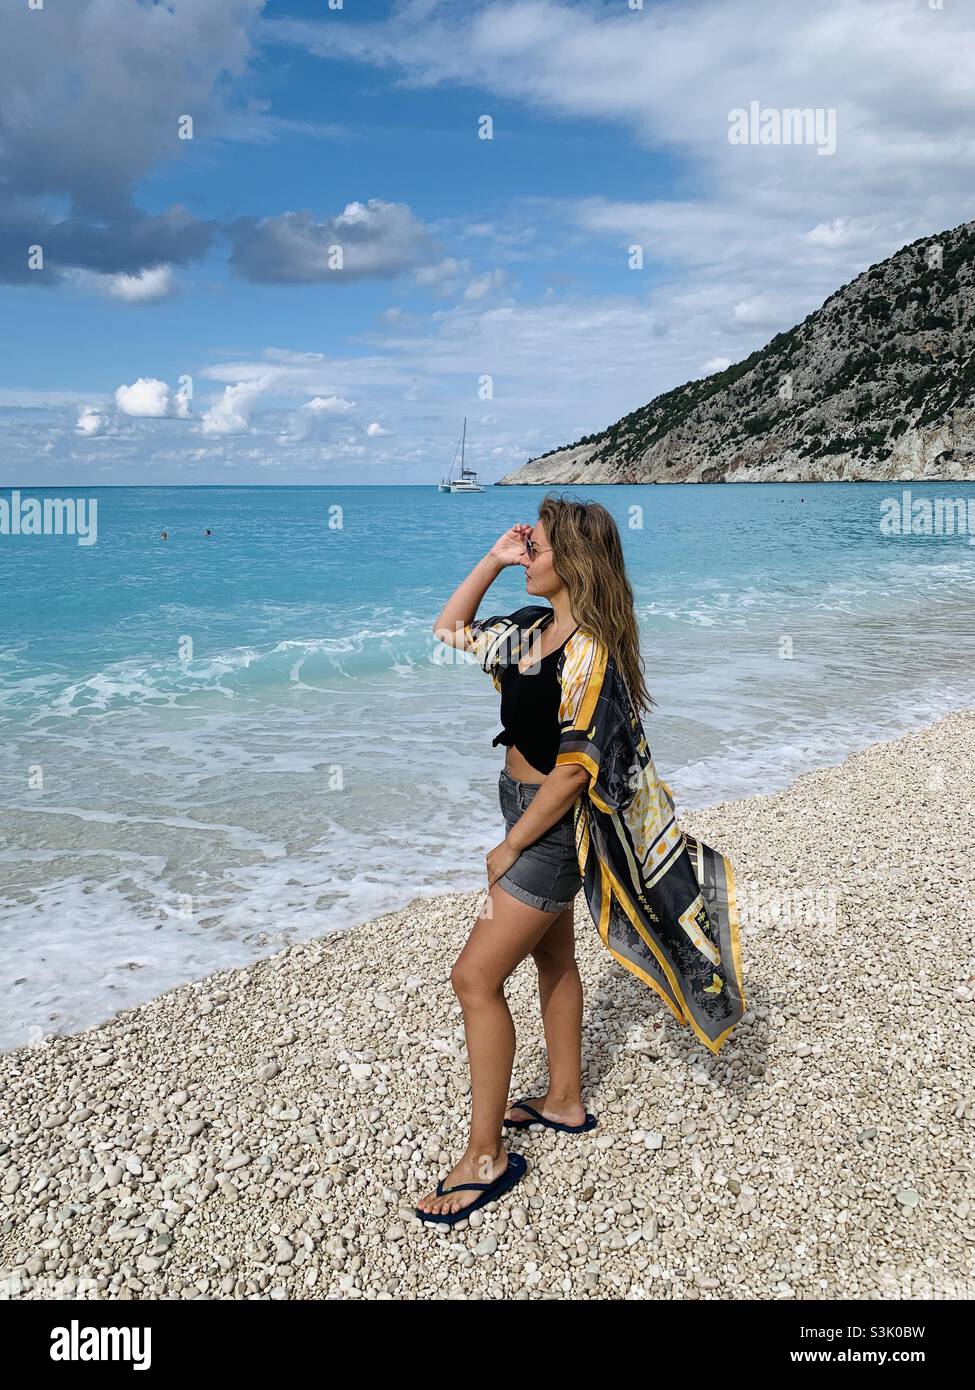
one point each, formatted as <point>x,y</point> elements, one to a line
<point>559,791</point>
<point>461,607</point>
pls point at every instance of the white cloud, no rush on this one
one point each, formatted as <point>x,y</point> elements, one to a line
<point>231,413</point>
<point>482,285</point>
<point>374,239</point>
<point>146,398</point>
<point>451,277</point>
<point>312,420</point>
<point>181,401</point>
<point>148,287</point>
<point>833,233</point>
<point>91,422</point>
<point>329,405</point>
<point>757,311</point>
<point>897,71</point>
<point>540,356</point>
<point>375,430</point>
<point>444,277</point>
<point>716,364</point>
<point>38,399</point>
<point>299,375</point>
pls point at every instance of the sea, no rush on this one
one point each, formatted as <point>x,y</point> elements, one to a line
<point>214,745</point>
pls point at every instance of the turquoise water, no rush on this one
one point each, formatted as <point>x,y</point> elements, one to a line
<point>312,760</point>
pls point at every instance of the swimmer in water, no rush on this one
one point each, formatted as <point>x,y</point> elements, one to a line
<point>163,536</point>
<point>208,532</point>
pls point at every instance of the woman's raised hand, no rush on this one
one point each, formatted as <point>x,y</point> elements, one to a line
<point>509,549</point>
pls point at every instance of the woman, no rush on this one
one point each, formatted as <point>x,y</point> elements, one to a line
<point>584,808</point>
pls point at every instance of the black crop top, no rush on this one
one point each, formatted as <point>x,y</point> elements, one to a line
<point>530,703</point>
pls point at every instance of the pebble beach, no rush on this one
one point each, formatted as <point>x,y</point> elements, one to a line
<point>265,1133</point>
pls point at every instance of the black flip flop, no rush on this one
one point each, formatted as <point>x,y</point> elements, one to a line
<point>590,1122</point>
<point>515,1171</point>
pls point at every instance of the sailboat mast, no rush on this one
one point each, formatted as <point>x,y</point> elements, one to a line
<point>463,441</point>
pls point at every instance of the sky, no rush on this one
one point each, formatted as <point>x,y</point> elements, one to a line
<point>299,241</point>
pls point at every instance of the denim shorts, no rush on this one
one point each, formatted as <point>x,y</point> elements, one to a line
<point>545,874</point>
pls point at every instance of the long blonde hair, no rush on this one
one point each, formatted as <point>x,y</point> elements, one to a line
<point>588,556</point>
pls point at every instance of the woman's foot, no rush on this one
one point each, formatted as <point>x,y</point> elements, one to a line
<point>471,1168</point>
<point>564,1112</point>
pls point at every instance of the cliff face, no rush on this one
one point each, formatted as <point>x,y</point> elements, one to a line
<point>877,384</point>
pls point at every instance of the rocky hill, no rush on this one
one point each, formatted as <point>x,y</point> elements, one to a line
<point>877,384</point>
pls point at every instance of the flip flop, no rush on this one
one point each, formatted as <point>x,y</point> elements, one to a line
<point>590,1122</point>
<point>490,1191</point>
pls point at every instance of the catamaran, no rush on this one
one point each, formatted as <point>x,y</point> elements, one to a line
<point>466,481</point>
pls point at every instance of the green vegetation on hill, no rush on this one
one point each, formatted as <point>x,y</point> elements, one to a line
<point>889,352</point>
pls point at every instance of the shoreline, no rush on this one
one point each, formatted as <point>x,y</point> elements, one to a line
<point>20,1028</point>
<point>265,1131</point>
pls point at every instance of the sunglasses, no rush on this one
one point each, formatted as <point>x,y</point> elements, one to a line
<point>534,549</point>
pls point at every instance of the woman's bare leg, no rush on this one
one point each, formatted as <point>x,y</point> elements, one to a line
<point>560,995</point>
<point>503,935</point>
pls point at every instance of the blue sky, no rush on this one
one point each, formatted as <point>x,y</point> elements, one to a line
<point>186,328</point>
